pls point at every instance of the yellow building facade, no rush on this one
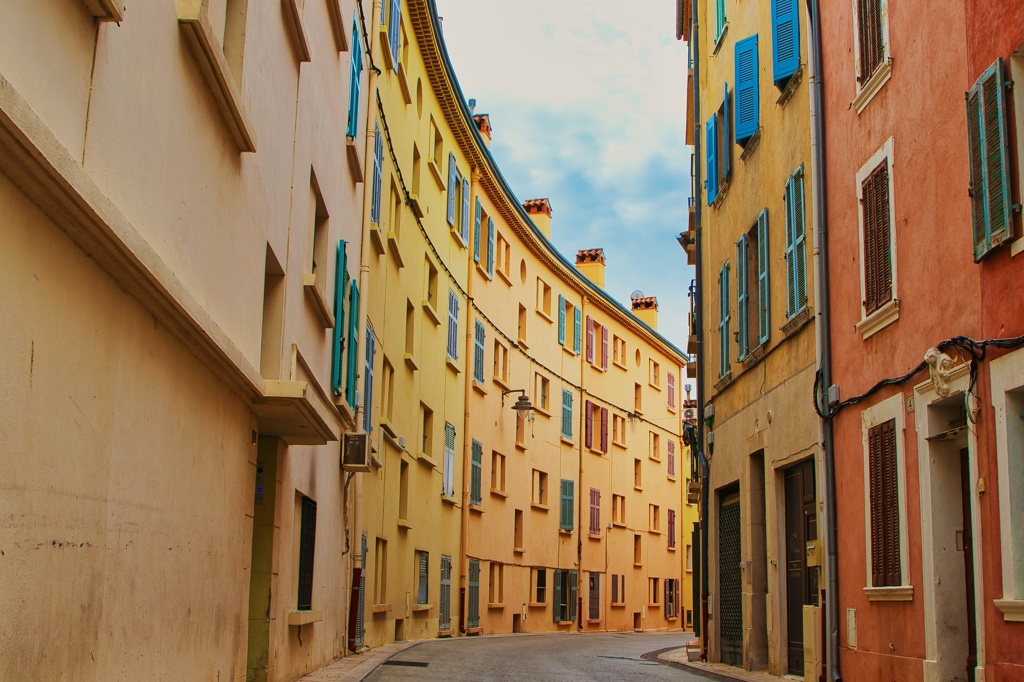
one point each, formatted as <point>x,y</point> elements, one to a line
<point>756,251</point>
<point>472,519</point>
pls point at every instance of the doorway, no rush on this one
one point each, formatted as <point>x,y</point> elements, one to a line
<point>730,579</point>
<point>801,579</point>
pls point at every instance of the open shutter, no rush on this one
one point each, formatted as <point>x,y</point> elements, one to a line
<point>448,476</point>
<point>476,475</point>
<point>378,170</point>
<point>800,233</point>
<point>670,379</point>
<point>590,339</point>
<point>478,359</point>
<point>747,90</point>
<point>595,511</point>
<point>785,40</point>
<point>604,429</point>
<point>465,210</point>
<point>476,232</point>
<point>763,296</point>
<point>395,31</point>
<point>588,417</point>
<point>453,325</point>
<point>453,183</point>
<point>710,149</point>
<point>671,459</point>
<point>338,352</point>
<point>742,298</point>
<point>723,320</point>
<point>355,76</point>
<point>577,329</point>
<point>371,351</point>
<point>557,611</point>
<point>574,579</point>
<point>561,320</point>
<point>672,527</point>
<point>877,248</point>
<point>604,347</point>
<point>567,414</point>
<point>566,516</point>
<point>353,340</point>
<point>725,148</point>
<point>989,161</point>
<point>490,246</point>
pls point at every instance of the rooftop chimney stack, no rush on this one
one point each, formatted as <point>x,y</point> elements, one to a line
<point>646,308</point>
<point>590,263</point>
<point>483,124</point>
<point>540,213</point>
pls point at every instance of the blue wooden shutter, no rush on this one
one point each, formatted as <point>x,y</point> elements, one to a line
<point>453,183</point>
<point>465,210</point>
<point>566,516</point>
<point>476,232</point>
<point>710,149</point>
<point>763,291</point>
<point>371,351</point>
<point>989,161</point>
<point>785,40</point>
<point>476,492</point>
<point>355,75</point>
<point>338,351</point>
<point>747,92</point>
<point>453,325</point>
<point>566,413</point>
<point>557,612</point>
<point>726,149</point>
<point>561,320</point>
<point>723,320</point>
<point>742,298</point>
<point>490,246</point>
<point>394,31</point>
<point>353,341</point>
<point>577,333</point>
<point>478,360</point>
<point>378,170</point>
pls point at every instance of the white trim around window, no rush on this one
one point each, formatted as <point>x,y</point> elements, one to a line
<point>1007,381</point>
<point>890,312</point>
<point>867,90</point>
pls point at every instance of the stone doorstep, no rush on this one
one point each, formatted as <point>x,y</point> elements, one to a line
<point>356,667</point>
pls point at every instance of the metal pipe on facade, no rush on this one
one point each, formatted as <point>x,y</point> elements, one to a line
<point>824,341</point>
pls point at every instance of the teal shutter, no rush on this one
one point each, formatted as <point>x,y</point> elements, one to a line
<point>747,90</point>
<point>378,170</point>
<point>566,515</point>
<point>719,18</point>
<point>476,485</point>
<point>465,210</point>
<point>453,325</point>
<point>763,290</point>
<point>577,333</point>
<point>742,298</point>
<point>478,359</point>
<point>785,40</point>
<point>338,352</point>
<point>453,183</point>
<point>490,246</point>
<point>989,161</point>
<point>559,606</point>
<point>561,320</point>
<point>473,620</point>
<point>726,148</point>
<point>476,232</point>
<point>371,351</point>
<point>723,321</point>
<point>796,266</point>
<point>566,413</point>
<point>353,340</point>
<point>574,580</point>
<point>355,76</point>
<point>710,150</point>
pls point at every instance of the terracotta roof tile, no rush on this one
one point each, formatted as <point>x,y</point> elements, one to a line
<point>646,302</point>
<point>590,256</point>
<point>537,206</point>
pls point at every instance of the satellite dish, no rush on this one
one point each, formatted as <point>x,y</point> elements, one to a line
<point>636,294</point>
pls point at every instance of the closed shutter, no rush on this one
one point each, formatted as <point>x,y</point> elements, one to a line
<point>615,589</point>
<point>355,76</point>
<point>742,298</point>
<point>566,414</point>
<point>361,603</point>
<point>670,379</point>
<point>561,320</point>
<point>763,292</point>
<point>989,161</point>
<point>448,476</point>
<point>594,610</point>
<point>453,325</point>
<point>723,320</point>
<point>395,31</point>
<point>490,246</point>
<point>711,149</point>
<point>604,429</point>
<point>785,40</point>
<point>445,607</point>
<point>453,183</point>
<point>353,340</point>
<point>885,534</point>
<point>423,586</point>
<point>604,347</point>
<point>474,594</point>
<point>476,231</point>
<point>671,527</point>
<point>478,358</point>
<point>668,597</point>
<point>747,89</point>
<point>465,210</point>
<point>476,485</point>
<point>574,579</point>
<point>595,511</point>
<point>577,329</point>
<point>558,612</point>
<point>877,247</point>
<point>671,459</point>
<point>371,351</point>
<point>338,352</point>
<point>796,260</point>
<point>378,171</point>
<point>590,339</point>
<point>869,37</point>
<point>307,552</point>
<point>566,515</point>
<point>588,422</point>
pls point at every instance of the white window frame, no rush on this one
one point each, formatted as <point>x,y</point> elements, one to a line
<point>890,312</point>
<point>1007,375</point>
<point>867,91</point>
<point>890,408</point>
<point>1016,62</point>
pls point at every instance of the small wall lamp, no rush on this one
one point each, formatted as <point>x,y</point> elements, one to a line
<point>523,406</point>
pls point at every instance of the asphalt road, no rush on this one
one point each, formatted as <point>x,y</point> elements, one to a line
<point>611,657</point>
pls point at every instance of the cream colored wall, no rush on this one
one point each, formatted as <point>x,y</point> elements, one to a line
<point>156,449</point>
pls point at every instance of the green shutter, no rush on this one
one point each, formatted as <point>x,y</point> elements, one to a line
<point>566,413</point>
<point>476,232</point>
<point>473,619</point>
<point>566,515</point>
<point>353,341</point>
<point>989,161</point>
<point>577,333</point>
<point>561,320</point>
<point>476,492</point>
<point>723,321</point>
<point>338,352</point>
<point>742,298</point>
<point>573,590</point>
<point>490,246</point>
<point>557,611</point>
<point>478,359</point>
<point>796,262</point>
<point>763,290</point>
<point>453,183</point>
<point>355,76</point>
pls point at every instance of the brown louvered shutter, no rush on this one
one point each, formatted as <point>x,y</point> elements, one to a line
<point>615,589</point>
<point>884,499</point>
<point>877,251</point>
<point>595,511</point>
<point>869,15</point>
<point>977,189</point>
<point>604,429</point>
<point>589,423</point>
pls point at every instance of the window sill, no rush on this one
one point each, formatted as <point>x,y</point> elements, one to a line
<point>545,315</point>
<point>426,460</point>
<point>355,166</point>
<point>619,365</point>
<point>432,165</point>
<point>475,507</point>
<point>868,91</point>
<point>1012,609</point>
<point>404,524</point>
<point>504,276</point>
<point>879,320</point>
<point>671,548</point>
<point>431,313</point>
<point>638,488</point>
<point>403,82</point>
<point>791,87</point>
<point>414,204</point>
<point>752,143</point>
<point>376,239</point>
<point>618,524</point>
<point>900,593</point>
<point>394,250</point>
<point>382,608</point>
<point>656,387</point>
<point>594,536</point>
<point>797,322</point>
<point>385,45</point>
<point>518,550</point>
<point>565,622</point>
<point>298,33</point>
<point>521,342</point>
<point>449,499</point>
<point>536,604</point>
<point>619,444</point>
<point>723,382</point>
<point>105,10</point>
<point>540,507</point>
<point>753,357</point>
<point>501,382</point>
<point>570,351</point>
<point>304,617</point>
<point>565,531</point>
<point>421,607</point>
<point>474,631</point>
<point>445,633</point>
<point>720,39</point>
<point>653,606</point>
<point>1016,247</point>
<point>655,458</point>
<point>593,621</point>
<point>495,605</point>
<point>520,445</point>
<point>542,411</point>
<point>452,365</point>
<point>315,296</point>
<point>618,605</point>
<point>457,234</point>
<point>483,271</point>
<point>499,493</point>
<point>411,361</point>
<point>479,388</point>
<point>654,531</point>
<point>567,441</point>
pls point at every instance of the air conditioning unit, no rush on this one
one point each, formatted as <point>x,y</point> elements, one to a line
<point>355,452</point>
<point>690,414</point>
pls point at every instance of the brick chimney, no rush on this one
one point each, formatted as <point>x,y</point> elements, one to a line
<point>590,263</point>
<point>540,212</point>
<point>483,124</point>
<point>646,308</point>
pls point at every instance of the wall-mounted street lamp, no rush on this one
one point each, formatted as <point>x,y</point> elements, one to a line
<point>523,406</point>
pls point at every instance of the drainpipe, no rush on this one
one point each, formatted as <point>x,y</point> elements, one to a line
<point>579,440</point>
<point>824,339</point>
<point>698,323</point>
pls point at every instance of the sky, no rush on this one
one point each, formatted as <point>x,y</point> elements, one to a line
<point>588,108</point>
